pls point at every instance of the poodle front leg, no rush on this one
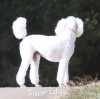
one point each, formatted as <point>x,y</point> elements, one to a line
<point>20,78</point>
<point>34,70</point>
<point>61,72</point>
<point>66,76</point>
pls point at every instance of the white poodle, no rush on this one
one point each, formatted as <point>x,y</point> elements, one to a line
<point>58,48</point>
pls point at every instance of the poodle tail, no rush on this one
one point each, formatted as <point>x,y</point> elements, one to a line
<point>19,28</point>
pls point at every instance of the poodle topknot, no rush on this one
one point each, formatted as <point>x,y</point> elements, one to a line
<point>58,48</point>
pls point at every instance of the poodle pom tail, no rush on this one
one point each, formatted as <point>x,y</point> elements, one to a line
<point>19,28</point>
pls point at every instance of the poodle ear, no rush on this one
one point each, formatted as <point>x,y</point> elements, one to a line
<point>79,27</point>
<point>60,26</point>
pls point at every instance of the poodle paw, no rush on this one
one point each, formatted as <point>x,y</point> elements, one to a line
<point>63,85</point>
<point>22,86</point>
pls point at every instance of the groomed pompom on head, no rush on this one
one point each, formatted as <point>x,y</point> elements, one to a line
<point>19,28</point>
<point>75,24</point>
<point>60,26</point>
<point>79,27</point>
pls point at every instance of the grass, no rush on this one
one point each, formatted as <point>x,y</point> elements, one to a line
<point>91,91</point>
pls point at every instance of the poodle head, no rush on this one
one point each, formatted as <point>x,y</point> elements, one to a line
<point>75,24</point>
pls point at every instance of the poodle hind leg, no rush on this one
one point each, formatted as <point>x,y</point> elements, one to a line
<point>26,57</point>
<point>20,78</point>
<point>34,70</point>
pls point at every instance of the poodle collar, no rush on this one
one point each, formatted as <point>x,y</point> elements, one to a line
<point>72,30</point>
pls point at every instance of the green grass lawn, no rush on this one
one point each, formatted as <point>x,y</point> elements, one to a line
<point>91,91</point>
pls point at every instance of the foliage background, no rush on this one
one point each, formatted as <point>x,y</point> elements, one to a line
<point>42,16</point>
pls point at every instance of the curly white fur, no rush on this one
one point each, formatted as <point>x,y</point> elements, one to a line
<point>58,48</point>
<point>19,28</point>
